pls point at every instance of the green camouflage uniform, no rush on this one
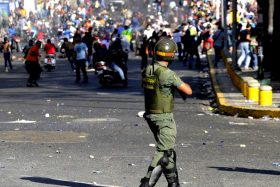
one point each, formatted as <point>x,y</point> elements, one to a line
<point>159,114</point>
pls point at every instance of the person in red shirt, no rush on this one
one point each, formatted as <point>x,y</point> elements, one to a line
<point>207,42</point>
<point>50,48</point>
<point>32,65</point>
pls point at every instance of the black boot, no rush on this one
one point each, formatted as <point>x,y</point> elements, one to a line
<point>144,182</point>
<point>173,182</point>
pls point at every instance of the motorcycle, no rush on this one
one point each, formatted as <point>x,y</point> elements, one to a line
<point>50,62</point>
<point>109,75</point>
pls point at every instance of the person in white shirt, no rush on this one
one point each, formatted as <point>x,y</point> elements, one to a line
<point>81,51</point>
<point>148,31</point>
<point>177,38</point>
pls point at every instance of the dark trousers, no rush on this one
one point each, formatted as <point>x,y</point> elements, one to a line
<point>34,70</point>
<point>190,61</point>
<point>163,127</point>
<point>81,66</point>
<point>180,51</point>
<point>7,59</point>
<point>218,56</point>
<point>70,60</point>
<point>144,61</point>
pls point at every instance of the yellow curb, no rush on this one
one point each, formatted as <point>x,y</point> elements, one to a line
<point>222,102</point>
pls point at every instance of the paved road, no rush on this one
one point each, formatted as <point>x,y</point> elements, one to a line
<point>64,134</point>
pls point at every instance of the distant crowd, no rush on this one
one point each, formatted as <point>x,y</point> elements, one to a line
<point>192,24</point>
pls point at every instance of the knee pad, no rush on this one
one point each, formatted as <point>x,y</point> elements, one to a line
<point>164,161</point>
<point>161,165</point>
<point>172,173</point>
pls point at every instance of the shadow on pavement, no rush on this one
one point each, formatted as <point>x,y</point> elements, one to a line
<point>247,170</point>
<point>44,180</point>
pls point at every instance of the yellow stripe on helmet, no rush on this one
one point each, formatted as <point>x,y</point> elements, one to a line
<point>164,54</point>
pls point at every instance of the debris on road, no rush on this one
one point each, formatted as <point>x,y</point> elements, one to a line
<point>200,114</point>
<point>140,114</point>
<point>91,156</point>
<point>266,118</point>
<point>276,164</point>
<point>97,172</point>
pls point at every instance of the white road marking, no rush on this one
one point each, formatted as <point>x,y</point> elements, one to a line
<point>18,121</point>
<point>96,120</point>
<point>43,136</point>
<point>65,116</point>
<point>238,123</point>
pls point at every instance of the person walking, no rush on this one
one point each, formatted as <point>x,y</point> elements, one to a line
<point>191,41</point>
<point>207,42</point>
<point>245,40</point>
<point>254,50</point>
<point>81,51</point>
<point>27,47</point>
<point>144,53</point>
<point>177,37</point>
<point>7,54</point>
<point>218,38</point>
<point>68,48</point>
<point>159,83</point>
<point>88,40</point>
<point>32,65</point>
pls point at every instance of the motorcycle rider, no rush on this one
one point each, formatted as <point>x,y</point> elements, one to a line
<point>118,59</point>
<point>100,53</point>
<point>159,84</point>
<point>50,48</point>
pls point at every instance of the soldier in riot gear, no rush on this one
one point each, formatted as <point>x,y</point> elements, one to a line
<point>160,83</point>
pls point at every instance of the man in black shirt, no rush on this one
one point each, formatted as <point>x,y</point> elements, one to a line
<point>245,39</point>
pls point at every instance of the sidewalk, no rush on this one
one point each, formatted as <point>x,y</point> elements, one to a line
<point>229,97</point>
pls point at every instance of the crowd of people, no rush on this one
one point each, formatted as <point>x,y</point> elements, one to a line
<point>201,30</point>
<point>192,24</point>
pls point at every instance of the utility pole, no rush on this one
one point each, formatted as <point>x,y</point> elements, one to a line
<point>234,28</point>
<point>224,22</point>
<point>261,33</point>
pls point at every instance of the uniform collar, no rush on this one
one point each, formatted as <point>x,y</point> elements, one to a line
<point>162,64</point>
